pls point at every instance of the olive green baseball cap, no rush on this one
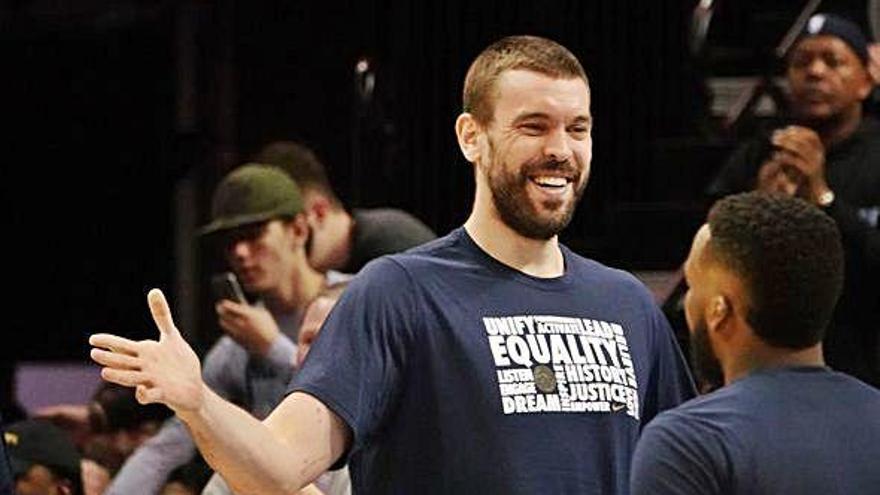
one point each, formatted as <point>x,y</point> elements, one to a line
<point>252,193</point>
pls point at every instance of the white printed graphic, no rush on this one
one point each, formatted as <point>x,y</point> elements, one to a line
<point>562,364</point>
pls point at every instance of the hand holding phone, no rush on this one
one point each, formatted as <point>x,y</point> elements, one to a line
<point>251,326</point>
<point>225,286</point>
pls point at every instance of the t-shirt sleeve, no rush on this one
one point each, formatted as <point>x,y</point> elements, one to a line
<point>670,381</point>
<point>358,361</point>
<point>672,458</point>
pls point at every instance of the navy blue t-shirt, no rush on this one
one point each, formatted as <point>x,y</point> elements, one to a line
<point>458,374</point>
<point>798,430</point>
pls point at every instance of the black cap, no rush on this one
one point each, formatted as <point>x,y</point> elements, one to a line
<point>37,441</point>
<point>839,27</point>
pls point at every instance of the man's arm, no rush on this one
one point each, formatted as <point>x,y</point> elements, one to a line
<point>292,447</point>
<point>296,443</point>
<point>149,467</point>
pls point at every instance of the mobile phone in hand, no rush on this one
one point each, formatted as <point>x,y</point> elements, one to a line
<point>225,286</point>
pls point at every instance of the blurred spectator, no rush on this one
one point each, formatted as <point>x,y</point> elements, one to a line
<point>332,482</point>
<point>176,487</point>
<point>188,479</point>
<point>6,479</point>
<point>874,62</point>
<point>874,70</point>
<point>259,222</point>
<point>342,240</point>
<point>316,313</point>
<point>828,154</point>
<point>113,420</point>
<point>115,415</point>
<point>106,430</point>
<point>43,459</point>
<point>10,407</point>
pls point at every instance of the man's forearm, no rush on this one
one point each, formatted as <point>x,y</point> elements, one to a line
<point>251,457</point>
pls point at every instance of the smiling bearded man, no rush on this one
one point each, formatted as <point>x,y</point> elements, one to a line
<point>492,360</point>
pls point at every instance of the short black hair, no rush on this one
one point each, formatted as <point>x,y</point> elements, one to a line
<point>115,407</point>
<point>789,256</point>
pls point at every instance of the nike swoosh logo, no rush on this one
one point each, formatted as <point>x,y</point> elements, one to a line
<point>617,407</point>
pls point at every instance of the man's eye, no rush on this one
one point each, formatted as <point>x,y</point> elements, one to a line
<point>800,62</point>
<point>532,127</point>
<point>833,61</point>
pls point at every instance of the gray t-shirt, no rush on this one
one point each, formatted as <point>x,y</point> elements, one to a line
<point>382,231</point>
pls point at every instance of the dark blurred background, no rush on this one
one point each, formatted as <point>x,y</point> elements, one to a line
<point>120,116</point>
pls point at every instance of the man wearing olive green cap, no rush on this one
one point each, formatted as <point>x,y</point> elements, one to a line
<point>257,219</point>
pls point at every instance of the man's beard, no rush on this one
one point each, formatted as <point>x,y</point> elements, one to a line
<point>707,368</point>
<point>512,201</point>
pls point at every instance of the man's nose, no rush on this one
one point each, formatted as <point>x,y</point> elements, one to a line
<point>557,146</point>
<point>817,67</point>
<point>239,249</point>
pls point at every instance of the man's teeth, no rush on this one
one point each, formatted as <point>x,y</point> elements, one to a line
<point>550,181</point>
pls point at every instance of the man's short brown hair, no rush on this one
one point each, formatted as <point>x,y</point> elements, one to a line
<point>301,163</point>
<point>514,53</point>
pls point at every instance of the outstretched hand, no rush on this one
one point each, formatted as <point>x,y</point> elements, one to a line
<point>165,371</point>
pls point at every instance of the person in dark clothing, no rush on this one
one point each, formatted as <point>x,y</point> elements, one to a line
<point>342,240</point>
<point>764,274</point>
<point>6,479</point>
<point>43,459</point>
<point>10,406</point>
<point>828,154</point>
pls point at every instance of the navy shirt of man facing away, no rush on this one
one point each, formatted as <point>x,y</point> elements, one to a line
<point>491,360</point>
<point>764,275</point>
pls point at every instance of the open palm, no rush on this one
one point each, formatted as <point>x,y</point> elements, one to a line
<point>165,371</point>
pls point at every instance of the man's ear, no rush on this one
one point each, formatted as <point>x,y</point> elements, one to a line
<point>319,209</point>
<point>65,486</point>
<point>864,90</point>
<point>468,132</point>
<point>718,311</point>
<point>299,227</point>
